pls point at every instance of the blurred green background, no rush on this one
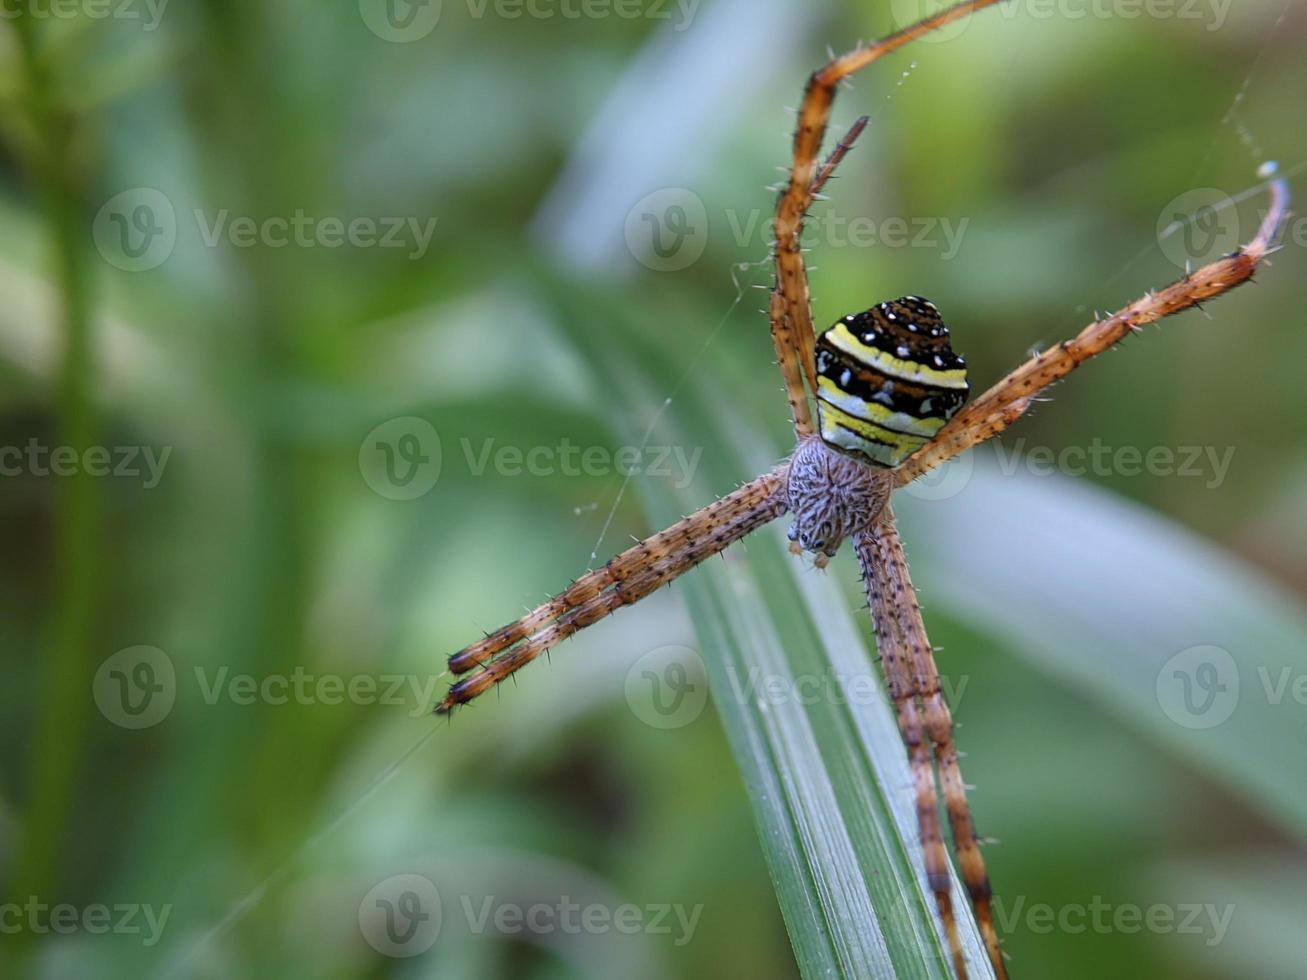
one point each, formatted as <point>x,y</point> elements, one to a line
<point>326,451</point>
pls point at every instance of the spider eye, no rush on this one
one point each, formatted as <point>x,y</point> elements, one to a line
<point>888,380</point>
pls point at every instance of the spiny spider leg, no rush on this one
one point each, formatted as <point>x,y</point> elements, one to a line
<point>782,336</point>
<point>782,328</point>
<point>805,180</point>
<point>838,154</point>
<point>896,613</point>
<point>628,578</point>
<point>900,681</point>
<point>1005,402</point>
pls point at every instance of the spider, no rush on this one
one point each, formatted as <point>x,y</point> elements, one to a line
<point>889,394</point>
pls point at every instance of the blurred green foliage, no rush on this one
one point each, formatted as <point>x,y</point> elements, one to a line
<point>1054,140</point>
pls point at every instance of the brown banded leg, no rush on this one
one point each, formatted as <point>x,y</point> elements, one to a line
<point>1005,402</point>
<point>900,680</point>
<point>590,586</point>
<point>784,339</point>
<point>884,549</point>
<point>782,335</point>
<point>627,579</point>
<point>806,177</point>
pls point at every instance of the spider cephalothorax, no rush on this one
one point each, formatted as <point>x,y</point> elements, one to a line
<point>832,496</point>
<point>887,381</point>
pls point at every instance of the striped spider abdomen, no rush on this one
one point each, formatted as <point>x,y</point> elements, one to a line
<point>887,381</point>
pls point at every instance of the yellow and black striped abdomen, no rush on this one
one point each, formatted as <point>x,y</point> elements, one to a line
<point>887,381</point>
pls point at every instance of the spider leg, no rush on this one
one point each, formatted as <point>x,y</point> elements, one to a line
<point>1005,402</point>
<point>782,335</point>
<point>796,350</point>
<point>628,578</point>
<point>782,329</point>
<point>912,677</point>
<point>899,679</point>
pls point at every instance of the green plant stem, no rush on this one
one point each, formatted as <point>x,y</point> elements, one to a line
<point>65,696</point>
